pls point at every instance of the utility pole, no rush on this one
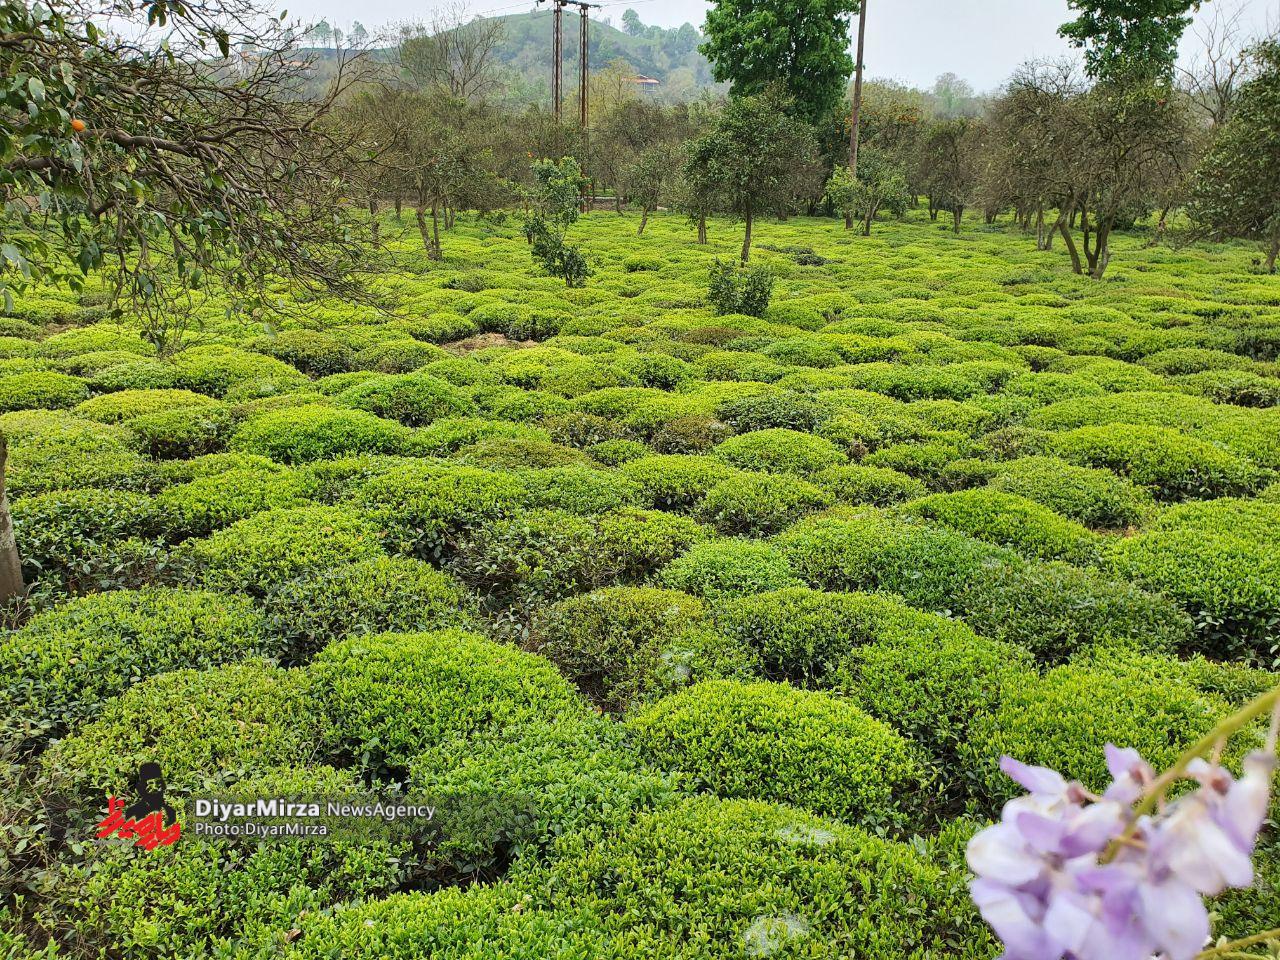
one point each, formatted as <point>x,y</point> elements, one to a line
<point>582,68</point>
<point>557,57</point>
<point>857,90</point>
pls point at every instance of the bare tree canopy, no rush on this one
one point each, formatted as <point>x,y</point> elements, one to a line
<point>453,54</point>
<point>166,166</point>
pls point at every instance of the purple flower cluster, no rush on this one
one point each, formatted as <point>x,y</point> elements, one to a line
<point>1046,888</point>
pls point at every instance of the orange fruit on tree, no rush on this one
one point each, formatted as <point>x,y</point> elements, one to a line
<point>78,125</point>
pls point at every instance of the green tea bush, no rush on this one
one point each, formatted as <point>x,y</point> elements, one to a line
<point>614,453</point>
<point>257,554</point>
<point>514,453</point>
<point>140,373</point>
<point>376,595</point>
<point>1239,387</point>
<point>425,510</point>
<point>67,661</point>
<point>580,490</point>
<point>756,505</point>
<point>617,643</point>
<point>220,371</point>
<point>779,451</point>
<point>876,486</point>
<point>208,503</point>
<point>412,399</point>
<point>1175,466</point>
<point>673,482</point>
<point>87,539</point>
<point>1059,719</point>
<point>1094,497</point>
<point>314,353</point>
<point>125,405</point>
<point>769,741</point>
<point>53,451</point>
<point>386,698</point>
<point>308,433</point>
<point>205,728</point>
<point>1182,360</point>
<point>791,411</point>
<point>398,356</point>
<point>41,389</point>
<point>727,568</point>
<point>1218,560</point>
<point>182,434</point>
<point>1009,520</point>
<point>735,289</point>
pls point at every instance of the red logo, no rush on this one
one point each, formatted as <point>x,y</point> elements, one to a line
<point>148,821</point>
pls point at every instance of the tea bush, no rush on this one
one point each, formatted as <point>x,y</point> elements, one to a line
<point>779,451</point>
<point>412,399</point>
<point>42,389</point>
<point>1094,497</point>
<point>769,741</point>
<point>314,432</point>
<point>756,505</point>
<point>723,568</point>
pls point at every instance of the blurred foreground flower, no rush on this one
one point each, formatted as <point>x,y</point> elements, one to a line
<point>1122,876</point>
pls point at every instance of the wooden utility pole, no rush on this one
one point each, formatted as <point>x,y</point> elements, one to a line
<point>582,68</point>
<point>857,90</point>
<point>557,56</point>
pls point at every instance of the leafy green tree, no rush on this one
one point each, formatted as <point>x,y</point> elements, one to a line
<point>842,193</point>
<point>949,155</point>
<point>1128,38</point>
<point>754,160</point>
<point>803,45</point>
<point>631,23</point>
<point>1237,187</point>
<point>649,180</point>
<point>322,33</point>
<point>557,194</point>
<point>881,185</point>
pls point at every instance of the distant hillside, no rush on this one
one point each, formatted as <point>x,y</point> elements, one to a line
<point>668,56</point>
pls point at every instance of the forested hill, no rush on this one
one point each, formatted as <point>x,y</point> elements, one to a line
<point>669,56</point>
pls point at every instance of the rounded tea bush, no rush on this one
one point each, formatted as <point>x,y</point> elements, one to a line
<point>259,553</point>
<point>612,642</point>
<point>412,399</point>
<point>60,668</point>
<point>1010,520</point>
<point>768,741</point>
<point>314,353</point>
<point>204,727</point>
<point>377,595</point>
<point>125,405</point>
<point>308,433</point>
<point>389,697</point>
<point>1096,498</point>
<point>1173,465</point>
<point>41,389</point>
<point>674,482</point>
<point>729,568</point>
<point>758,505</point>
<point>208,503</point>
<point>1219,561</point>
<point>876,486</point>
<point>779,451</point>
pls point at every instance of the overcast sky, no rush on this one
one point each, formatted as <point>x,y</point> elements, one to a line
<point>910,40</point>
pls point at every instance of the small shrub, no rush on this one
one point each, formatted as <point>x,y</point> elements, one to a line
<point>672,482</point>
<point>615,643</point>
<point>308,433</point>
<point>41,389</point>
<point>1012,521</point>
<point>757,505</point>
<point>791,411</point>
<point>314,353</point>
<point>257,554</point>
<point>398,356</point>
<point>728,568</point>
<point>876,486</point>
<point>767,741</point>
<point>739,290</point>
<point>580,490</point>
<point>1096,498</point>
<point>779,451</point>
<point>412,399</point>
<point>66,662</point>
<point>216,500</point>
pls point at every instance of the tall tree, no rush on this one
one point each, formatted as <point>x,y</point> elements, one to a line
<point>454,55</point>
<point>949,165</point>
<point>755,159</point>
<point>1235,193</point>
<point>631,23</point>
<point>1128,38</point>
<point>801,45</point>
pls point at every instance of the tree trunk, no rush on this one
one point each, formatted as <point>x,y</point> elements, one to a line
<point>399,207</point>
<point>958,214</point>
<point>1070,241</point>
<point>11,585</point>
<point>644,220</point>
<point>848,220</point>
<point>1101,250</point>
<point>373,219</point>
<point>746,240</point>
<point>420,216</point>
<point>1273,253</point>
<point>617,202</point>
<point>434,252</point>
<point>702,229</point>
